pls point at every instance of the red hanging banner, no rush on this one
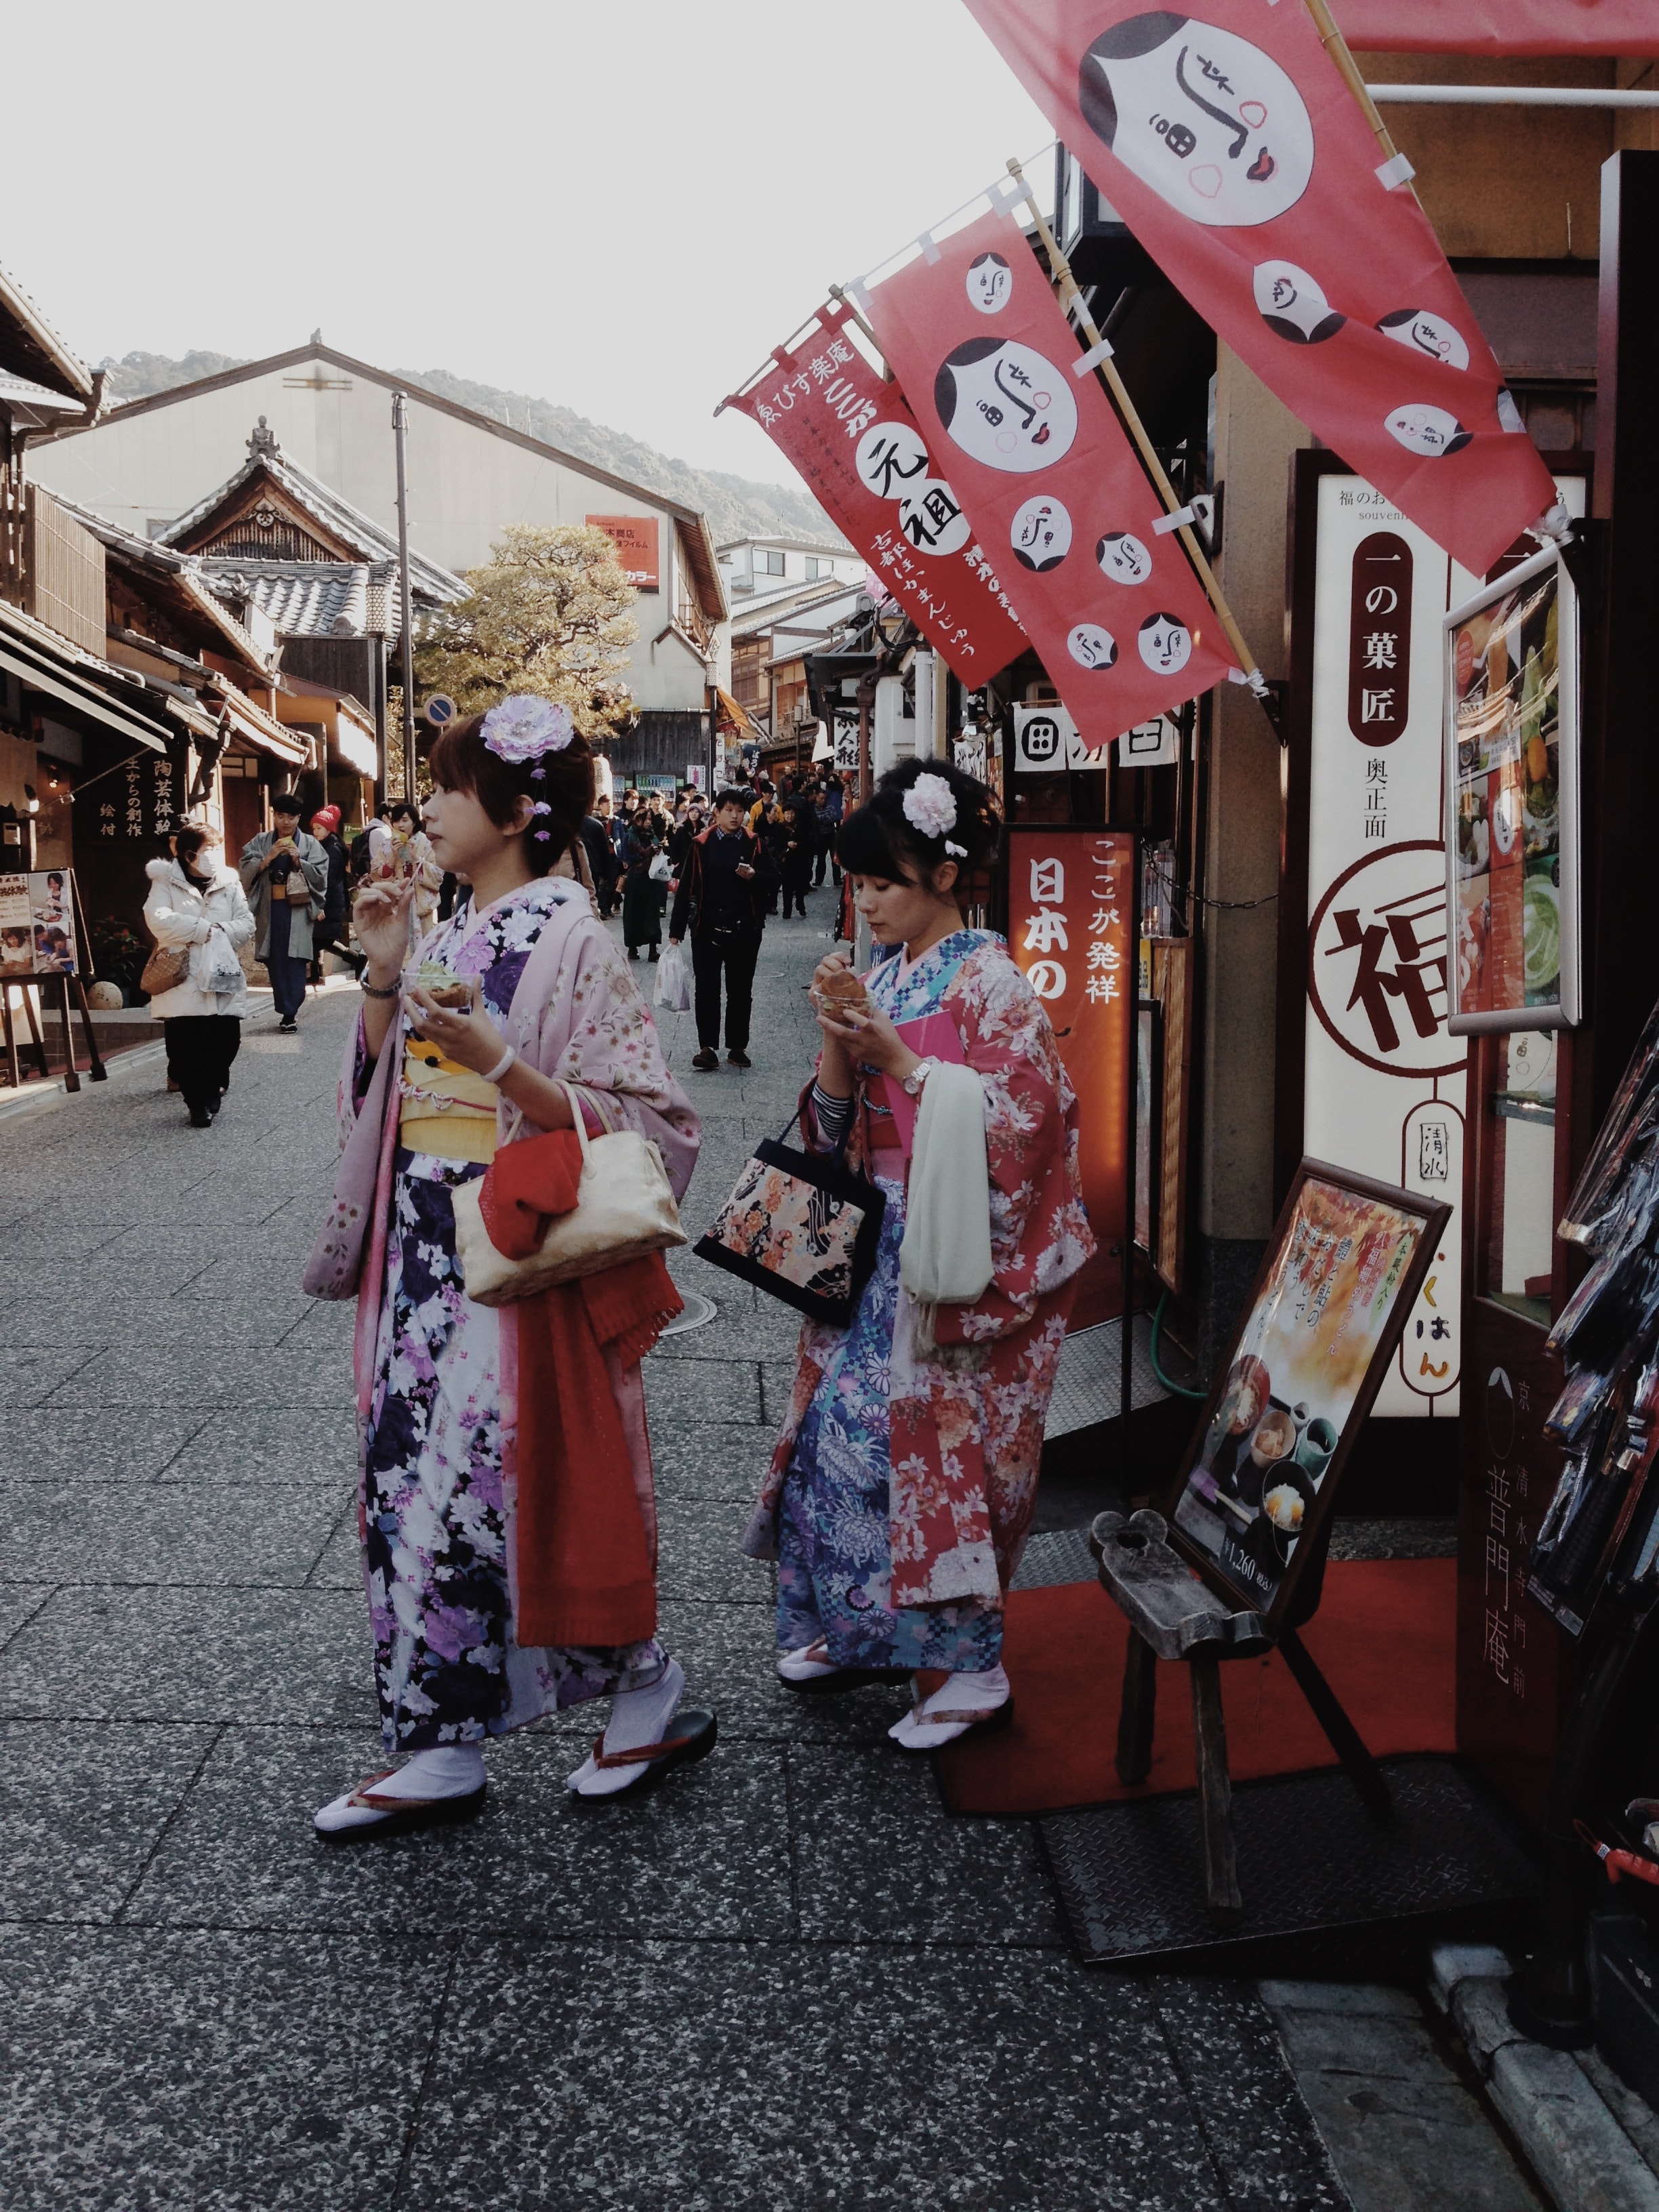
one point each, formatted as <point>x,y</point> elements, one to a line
<point>1627,28</point>
<point>1049,479</point>
<point>1237,155</point>
<point>855,441</point>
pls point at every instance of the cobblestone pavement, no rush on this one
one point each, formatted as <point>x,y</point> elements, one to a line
<point>787,1980</point>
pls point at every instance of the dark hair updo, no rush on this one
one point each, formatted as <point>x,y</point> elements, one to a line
<point>879,838</point>
<point>563,781</point>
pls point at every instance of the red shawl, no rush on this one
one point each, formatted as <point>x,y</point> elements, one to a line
<point>585,1573</point>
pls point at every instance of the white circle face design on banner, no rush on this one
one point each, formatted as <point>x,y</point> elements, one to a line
<point>990,283</point>
<point>1005,405</point>
<point>890,458</point>
<point>1090,646</point>
<point>1166,644</point>
<point>1041,534</point>
<point>1209,121</point>
<point>1432,336</point>
<point>930,518</point>
<point>1292,306</point>
<point>1123,558</point>
<point>1427,430</point>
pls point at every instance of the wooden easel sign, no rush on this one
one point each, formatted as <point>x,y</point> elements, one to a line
<point>42,936</point>
<point>1343,1268</point>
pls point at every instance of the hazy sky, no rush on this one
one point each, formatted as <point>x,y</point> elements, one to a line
<point>620,206</point>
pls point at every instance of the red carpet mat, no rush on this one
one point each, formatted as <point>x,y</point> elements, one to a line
<point>1384,1639</point>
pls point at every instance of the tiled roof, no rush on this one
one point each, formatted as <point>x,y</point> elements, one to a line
<point>314,598</point>
<point>349,524</point>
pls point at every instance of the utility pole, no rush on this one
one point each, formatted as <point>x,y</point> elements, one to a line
<point>400,432</point>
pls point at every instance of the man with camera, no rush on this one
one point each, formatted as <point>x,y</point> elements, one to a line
<point>285,874</point>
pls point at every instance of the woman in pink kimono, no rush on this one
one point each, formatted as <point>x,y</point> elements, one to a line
<point>902,1487</point>
<point>522,984</point>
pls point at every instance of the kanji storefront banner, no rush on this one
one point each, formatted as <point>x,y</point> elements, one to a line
<point>1231,147</point>
<point>855,441</point>
<point>1049,479</point>
<point>1070,914</point>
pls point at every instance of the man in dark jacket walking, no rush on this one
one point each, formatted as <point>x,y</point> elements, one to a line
<point>722,900</point>
<point>329,934</point>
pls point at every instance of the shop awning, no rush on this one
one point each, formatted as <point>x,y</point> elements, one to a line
<point>257,729</point>
<point>739,717</point>
<point>355,745</point>
<point>41,670</point>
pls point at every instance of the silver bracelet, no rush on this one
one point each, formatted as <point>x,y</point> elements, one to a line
<point>496,1073</point>
<point>372,991</point>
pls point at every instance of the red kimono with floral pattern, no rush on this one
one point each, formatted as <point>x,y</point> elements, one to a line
<point>966,1417</point>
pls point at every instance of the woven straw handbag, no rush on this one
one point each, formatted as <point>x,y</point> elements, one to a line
<point>624,1208</point>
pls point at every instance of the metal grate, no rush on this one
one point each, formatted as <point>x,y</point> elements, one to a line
<point>1312,1863</point>
<point>1086,1385</point>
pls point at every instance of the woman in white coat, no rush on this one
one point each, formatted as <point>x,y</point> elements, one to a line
<point>196,906</point>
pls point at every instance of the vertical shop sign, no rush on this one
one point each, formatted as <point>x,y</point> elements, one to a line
<point>855,440</point>
<point>1385,1082</point>
<point>1380,638</point>
<point>1384,1079</point>
<point>1069,904</point>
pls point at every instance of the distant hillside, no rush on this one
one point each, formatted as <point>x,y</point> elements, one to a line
<point>736,506</point>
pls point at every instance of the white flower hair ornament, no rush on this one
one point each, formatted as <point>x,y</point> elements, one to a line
<point>525,727</point>
<point>930,806</point>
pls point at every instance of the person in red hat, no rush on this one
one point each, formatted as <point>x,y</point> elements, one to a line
<point>331,931</point>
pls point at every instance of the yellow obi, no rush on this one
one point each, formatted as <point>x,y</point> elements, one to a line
<point>446,1110</point>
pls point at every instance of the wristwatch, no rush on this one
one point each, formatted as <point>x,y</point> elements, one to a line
<point>918,1075</point>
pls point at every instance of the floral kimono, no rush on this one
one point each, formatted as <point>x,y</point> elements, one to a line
<point>435,1382</point>
<point>902,1489</point>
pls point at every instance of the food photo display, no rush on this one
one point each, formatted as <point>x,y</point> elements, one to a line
<point>1511,801</point>
<point>1343,1270</point>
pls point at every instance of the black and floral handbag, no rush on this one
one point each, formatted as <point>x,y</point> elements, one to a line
<point>801,1226</point>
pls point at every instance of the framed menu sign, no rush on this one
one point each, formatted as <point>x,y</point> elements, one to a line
<point>37,925</point>
<point>1343,1268</point>
<point>1512,768</point>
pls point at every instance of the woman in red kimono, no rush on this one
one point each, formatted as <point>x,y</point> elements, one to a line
<point>903,1486</point>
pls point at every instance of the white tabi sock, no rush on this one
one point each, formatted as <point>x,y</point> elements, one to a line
<point>925,1727</point>
<point>452,1769</point>
<point>638,1717</point>
<point>808,1662</point>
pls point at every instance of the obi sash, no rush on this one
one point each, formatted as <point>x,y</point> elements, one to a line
<point>890,1111</point>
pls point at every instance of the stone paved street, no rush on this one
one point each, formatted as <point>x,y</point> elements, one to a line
<point>787,1980</point>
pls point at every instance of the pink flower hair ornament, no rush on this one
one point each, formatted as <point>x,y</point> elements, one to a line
<point>930,806</point>
<point>525,727</point>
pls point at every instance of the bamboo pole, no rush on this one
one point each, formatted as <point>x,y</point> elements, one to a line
<point>1337,47</point>
<point>1166,490</point>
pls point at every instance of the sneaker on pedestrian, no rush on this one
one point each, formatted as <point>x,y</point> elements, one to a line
<point>739,1059</point>
<point>200,1118</point>
<point>706,1060</point>
<point>286,1024</point>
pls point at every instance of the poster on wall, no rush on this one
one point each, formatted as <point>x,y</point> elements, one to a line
<point>1344,1266</point>
<point>1511,759</point>
<point>1071,892</point>
<point>37,924</point>
<point>1385,1076</point>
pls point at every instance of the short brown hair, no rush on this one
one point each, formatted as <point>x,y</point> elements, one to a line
<point>462,762</point>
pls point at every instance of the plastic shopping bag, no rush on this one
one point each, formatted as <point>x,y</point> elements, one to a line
<point>673,984</point>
